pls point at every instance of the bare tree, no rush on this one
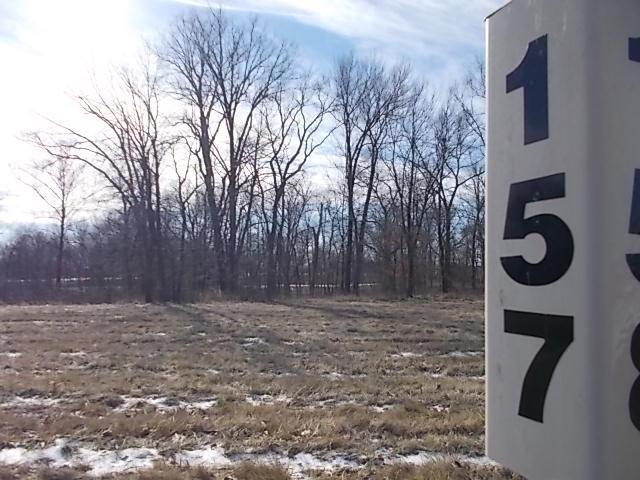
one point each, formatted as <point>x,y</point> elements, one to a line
<point>125,147</point>
<point>411,166</point>
<point>454,150</point>
<point>57,182</point>
<point>472,100</point>
<point>292,122</point>
<point>367,97</point>
<point>226,71</point>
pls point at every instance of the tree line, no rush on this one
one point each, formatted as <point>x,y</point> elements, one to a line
<point>222,165</point>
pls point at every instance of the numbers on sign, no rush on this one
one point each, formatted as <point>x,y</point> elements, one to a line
<point>532,76</point>
<point>634,49</point>
<point>557,332</point>
<point>556,233</point>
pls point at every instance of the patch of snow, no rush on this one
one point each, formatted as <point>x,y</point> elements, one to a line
<point>163,404</point>
<point>301,462</point>
<point>257,400</point>
<point>30,402</point>
<point>73,354</point>
<point>420,458</point>
<point>440,408</point>
<point>406,355</point>
<point>202,405</point>
<point>382,408</point>
<point>331,403</point>
<point>16,456</point>
<point>251,341</point>
<point>209,457</point>
<point>11,354</point>
<point>104,462</point>
<point>278,374</point>
<point>459,354</point>
<point>305,461</point>
<point>107,462</point>
<point>100,462</point>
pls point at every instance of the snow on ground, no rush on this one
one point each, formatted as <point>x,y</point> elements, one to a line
<point>252,341</point>
<point>66,453</point>
<point>162,404</point>
<point>99,462</point>
<point>257,400</point>
<point>459,354</point>
<point>25,402</point>
<point>165,404</point>
<point>406,355</point>
<point>210,456</point>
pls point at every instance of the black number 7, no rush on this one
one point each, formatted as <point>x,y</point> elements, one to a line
<point>557,331</point>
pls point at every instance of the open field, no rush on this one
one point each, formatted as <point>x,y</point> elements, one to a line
<point>326,389</point>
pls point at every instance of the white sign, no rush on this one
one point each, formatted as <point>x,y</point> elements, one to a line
<point>563,239</point>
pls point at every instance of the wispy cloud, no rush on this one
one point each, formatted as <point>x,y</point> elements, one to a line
<point>439,34</point>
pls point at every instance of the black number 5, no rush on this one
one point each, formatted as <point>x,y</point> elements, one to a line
<point>557,331</point>
<point>556,233</point>
<point>532,76</point>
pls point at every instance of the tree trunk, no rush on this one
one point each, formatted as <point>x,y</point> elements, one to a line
<point>60,255</point>
<point>411,272</point>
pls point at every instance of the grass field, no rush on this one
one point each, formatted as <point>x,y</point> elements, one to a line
<point>327,389</point>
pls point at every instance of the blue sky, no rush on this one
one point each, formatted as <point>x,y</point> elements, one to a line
<point>52,48</point>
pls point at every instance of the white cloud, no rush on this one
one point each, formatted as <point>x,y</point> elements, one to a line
<point>445,34</point>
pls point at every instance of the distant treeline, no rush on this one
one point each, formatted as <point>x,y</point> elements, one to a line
<point>224,167</point>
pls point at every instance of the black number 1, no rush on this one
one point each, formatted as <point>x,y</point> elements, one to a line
<point>532,76</point>
<point>557,331</point>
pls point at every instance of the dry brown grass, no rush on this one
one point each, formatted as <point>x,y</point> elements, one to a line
<point>441,471</point>
<point>340,375</point>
